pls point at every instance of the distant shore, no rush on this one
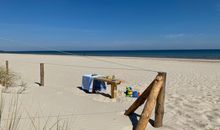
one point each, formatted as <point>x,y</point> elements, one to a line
<point>213,54</point>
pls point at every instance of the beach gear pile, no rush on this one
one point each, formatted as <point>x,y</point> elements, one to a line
<point>132,93</point>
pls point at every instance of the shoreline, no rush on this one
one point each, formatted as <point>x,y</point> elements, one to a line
<point>128,57</point>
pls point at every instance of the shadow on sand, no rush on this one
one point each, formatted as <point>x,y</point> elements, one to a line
<point>38,83</point>
<point>101,93</point>
<point>134,120</point>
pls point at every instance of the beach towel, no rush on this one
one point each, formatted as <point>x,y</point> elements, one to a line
<point>90,84</point>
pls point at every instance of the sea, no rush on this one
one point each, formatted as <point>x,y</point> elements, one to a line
<point>186,54</point>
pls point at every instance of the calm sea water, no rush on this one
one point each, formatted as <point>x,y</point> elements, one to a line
<point>190,54</point>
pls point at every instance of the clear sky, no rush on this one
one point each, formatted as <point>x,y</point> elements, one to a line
<point>109,24</point>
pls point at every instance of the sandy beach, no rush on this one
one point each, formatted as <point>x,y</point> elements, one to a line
<point>192,100</point>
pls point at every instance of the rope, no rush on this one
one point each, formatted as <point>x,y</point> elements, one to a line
<point>92,67</point>
<point>80,66</point>
<point>96,59</point>
<point>134,67</point>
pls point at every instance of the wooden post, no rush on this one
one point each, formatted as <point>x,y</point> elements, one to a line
<point>7,67</point>
<point>113,90</point>
<point>146,113</point>
<point>7,73</point>
<point>140,100</point>
<point>41,74</point>
<point>159,109</point>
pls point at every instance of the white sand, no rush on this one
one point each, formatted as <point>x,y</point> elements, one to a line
<point>192,92</point>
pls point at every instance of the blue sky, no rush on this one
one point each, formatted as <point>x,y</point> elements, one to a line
<point>109,24</point>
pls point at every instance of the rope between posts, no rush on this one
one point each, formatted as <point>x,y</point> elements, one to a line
<point>69,53</point>
<point>131,67</point>
<point>80,66</point>
<point>106,61</point>
<point>94,67</point>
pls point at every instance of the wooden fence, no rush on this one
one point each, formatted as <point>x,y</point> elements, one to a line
<point>154,94</point>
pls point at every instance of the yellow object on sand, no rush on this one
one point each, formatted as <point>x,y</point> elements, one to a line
<point>129,92</point>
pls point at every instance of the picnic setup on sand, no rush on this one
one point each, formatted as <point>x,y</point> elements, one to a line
<point>95,82</point>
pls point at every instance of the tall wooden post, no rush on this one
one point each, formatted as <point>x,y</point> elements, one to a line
<point>113,90</point>
<point>7,74</point>
<point>148,108</point>
<point>7,67</point>
<point>41,74</point>
<point>159,109</point>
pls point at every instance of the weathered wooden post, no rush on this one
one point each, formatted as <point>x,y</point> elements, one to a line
<point>41,74</point>
<point>7,73</point>
<point>146,113</point>
<point>7,67</point>
<point>159,109</point>
<point>113,89</point>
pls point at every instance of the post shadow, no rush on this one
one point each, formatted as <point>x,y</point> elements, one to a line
<point>134,120</point>
<point>38,83</point>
